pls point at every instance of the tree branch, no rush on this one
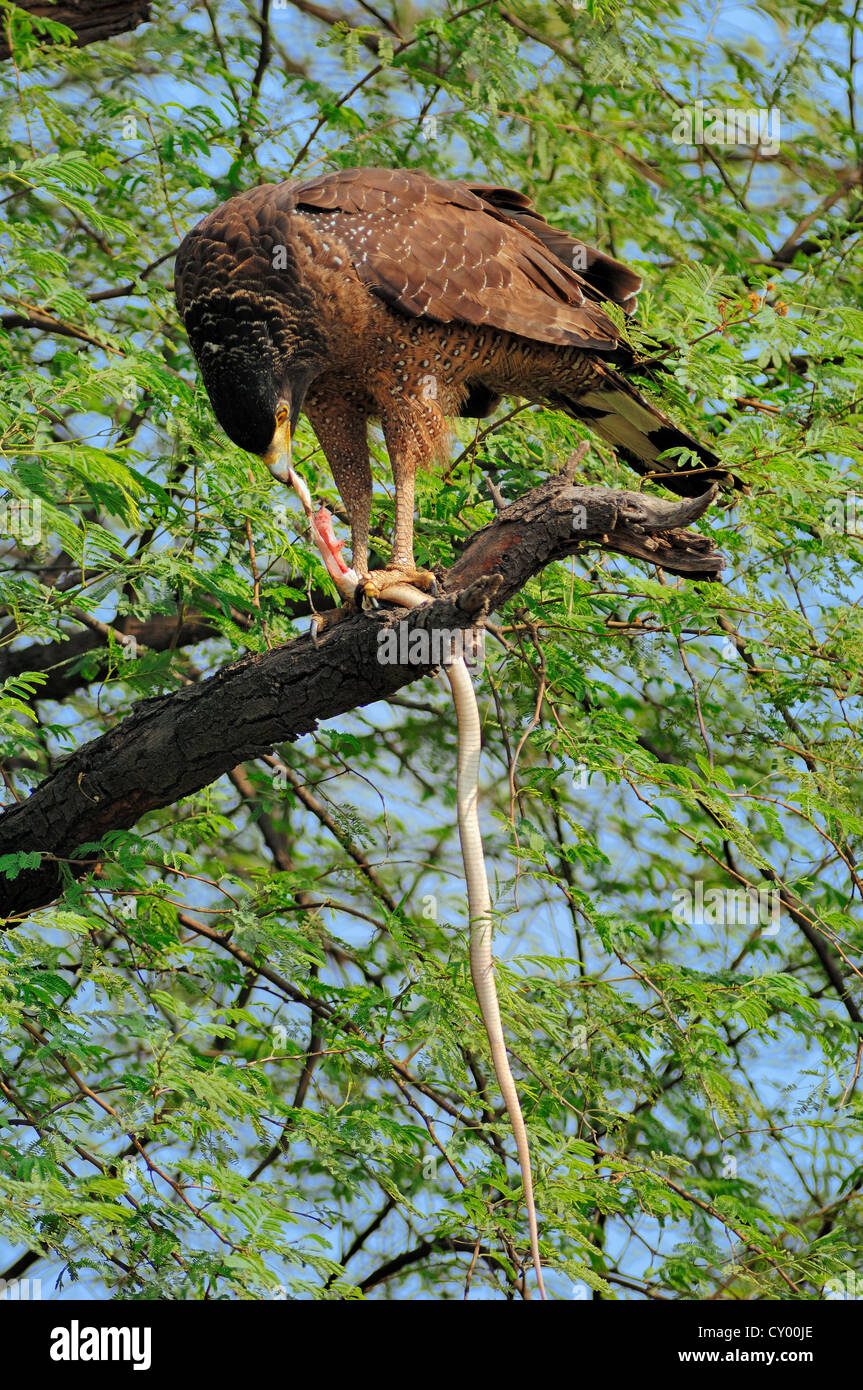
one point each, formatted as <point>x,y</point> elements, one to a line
<point>173,745</point>
<point>90,20</point>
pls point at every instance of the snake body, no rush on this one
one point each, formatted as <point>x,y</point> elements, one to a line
<point>479,905</point>
<point>473,857</point>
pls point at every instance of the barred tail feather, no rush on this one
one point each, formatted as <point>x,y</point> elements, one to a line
<point>640,432</point>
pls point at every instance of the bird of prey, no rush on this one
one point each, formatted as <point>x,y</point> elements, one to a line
<point>389,295</point>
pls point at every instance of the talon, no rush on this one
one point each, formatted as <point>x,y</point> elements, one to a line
<point>321,623</point>
<point>375,584</point>
<point>364,599</point>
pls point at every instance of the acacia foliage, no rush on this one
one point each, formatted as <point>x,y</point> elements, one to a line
<point>242,1059</point>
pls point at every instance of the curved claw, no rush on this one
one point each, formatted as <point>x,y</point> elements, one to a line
<point>321,623</point>
<point>373,586</point>
<point>363,599</point>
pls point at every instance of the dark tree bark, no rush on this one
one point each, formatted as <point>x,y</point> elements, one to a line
<point>172,745</point>
<point>89,19</point>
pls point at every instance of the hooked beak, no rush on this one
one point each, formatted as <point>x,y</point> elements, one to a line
<point>278,455</point>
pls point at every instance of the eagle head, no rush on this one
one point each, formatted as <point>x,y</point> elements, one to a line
<point>255,373</point>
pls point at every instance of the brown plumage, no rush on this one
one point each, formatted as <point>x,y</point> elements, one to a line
<point>391,295</point>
